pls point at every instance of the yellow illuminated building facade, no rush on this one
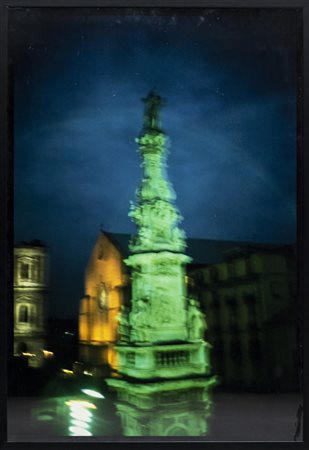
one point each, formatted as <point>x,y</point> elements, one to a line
<point>30,300</point>
<point>105,284</point>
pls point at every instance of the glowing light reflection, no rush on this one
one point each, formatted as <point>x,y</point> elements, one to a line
<point>67,371</point>
<point>81,415</point>
<point>82,403</point>
<point>92,393</point>
<point>79,431</point>
<point>80,423</point>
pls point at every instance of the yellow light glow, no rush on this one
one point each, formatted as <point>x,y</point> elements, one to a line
<point>48,354</point>
<point>82,403</point>
<point>93,325</point>
<point>70,372</point>
<point>28,354</point>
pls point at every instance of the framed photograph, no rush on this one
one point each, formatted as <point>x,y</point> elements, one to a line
<point>153,244</point>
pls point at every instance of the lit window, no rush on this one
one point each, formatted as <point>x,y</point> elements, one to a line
<point>23,314</point>
<point>103,296</point>
<point>24,271</point>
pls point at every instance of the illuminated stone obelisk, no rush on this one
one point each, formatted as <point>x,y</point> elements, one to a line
<point>161,338</point>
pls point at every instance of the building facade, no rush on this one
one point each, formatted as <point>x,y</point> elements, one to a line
<point>250,301</point>
<point>106,282</point>
<point>30,300</point>
<point>247,292</point>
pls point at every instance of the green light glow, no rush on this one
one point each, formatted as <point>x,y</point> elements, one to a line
<point>160,308</point>
<point>92,393</point>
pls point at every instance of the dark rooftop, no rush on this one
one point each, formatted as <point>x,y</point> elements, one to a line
<point>207,251</point>
<point>32,243</point>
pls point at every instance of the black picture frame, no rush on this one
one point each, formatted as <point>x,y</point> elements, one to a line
<point>7,7</point>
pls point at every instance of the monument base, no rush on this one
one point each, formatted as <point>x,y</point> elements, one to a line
<point>164,408</point>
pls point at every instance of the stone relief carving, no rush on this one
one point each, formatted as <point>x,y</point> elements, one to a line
<point>163,310</point>
<point>165,268</point>
<point>123,324</point>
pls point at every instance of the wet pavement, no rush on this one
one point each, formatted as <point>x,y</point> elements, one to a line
<point>235,417</point>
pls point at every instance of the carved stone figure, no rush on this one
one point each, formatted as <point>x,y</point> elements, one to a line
<point>196,321</point>
<point>153,105</point>
<point>139,320</point>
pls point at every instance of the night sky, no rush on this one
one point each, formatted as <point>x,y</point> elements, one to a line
<point>229,79</point>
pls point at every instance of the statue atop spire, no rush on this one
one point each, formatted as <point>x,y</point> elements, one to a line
<point>155,214</point>
<point>153,104</point>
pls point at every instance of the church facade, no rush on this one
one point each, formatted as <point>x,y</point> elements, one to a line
<point>106,283</point>
<point>30,300</point>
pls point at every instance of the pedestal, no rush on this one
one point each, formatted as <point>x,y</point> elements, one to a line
<point>164,408</point>
<point>163,361</point>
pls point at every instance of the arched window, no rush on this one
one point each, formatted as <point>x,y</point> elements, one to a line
<point>24,271</point>
<point>23,314</point>
<point>103,296</point>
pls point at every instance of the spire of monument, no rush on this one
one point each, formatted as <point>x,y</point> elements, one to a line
<point>155,214</point>
<point>153,104</point>
<point>161,336</point>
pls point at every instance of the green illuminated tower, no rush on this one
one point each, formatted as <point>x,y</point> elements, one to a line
<point>157,261</point>
<point>161,338</point>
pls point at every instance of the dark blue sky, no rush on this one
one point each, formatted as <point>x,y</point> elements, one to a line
<point>229,79</point>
